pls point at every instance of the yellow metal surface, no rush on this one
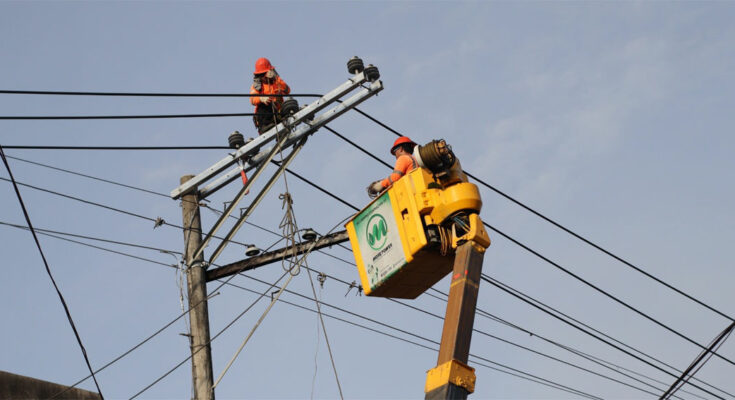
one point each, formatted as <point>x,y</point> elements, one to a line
<point>477,234</point>
<point>454,372</point>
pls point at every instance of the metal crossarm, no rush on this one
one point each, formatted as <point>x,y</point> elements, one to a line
<point>257,200</point>
<point>257,143</point>
<point>246,188</point>
<point>300,131</point>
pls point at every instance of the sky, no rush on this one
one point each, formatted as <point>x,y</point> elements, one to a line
<point>612,118</point>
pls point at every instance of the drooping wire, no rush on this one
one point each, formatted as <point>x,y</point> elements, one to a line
<point>270,306</point>
<point>230,284</point>
<point>48,271</point>
<point>602,291</point>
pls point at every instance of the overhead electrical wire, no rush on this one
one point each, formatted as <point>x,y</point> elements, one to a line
<point>596,360</point>
<point>603,334</point>
<point>582,280</point>
<point>87,117</point>
<point>48,272</point>
<point>320,188</point>
<point>492,228</point>
<point>512,199</point>
<point>571,232</point>
<point>687,374</point>
<point>218,212</point>
<point>117,148</point>
<point>347,203</point>
<point>215,290</point>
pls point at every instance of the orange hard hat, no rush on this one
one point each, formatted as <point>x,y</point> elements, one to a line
<point>262,65</point>
<point>401,140</point>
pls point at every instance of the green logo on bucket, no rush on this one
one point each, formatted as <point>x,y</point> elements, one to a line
<point>376,231</point>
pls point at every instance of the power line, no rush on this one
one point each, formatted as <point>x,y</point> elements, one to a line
<point>215,290</point>
<point>48,271</point>
<point>119,148</point>
<point>599,361</point>
<point>571,232</point>
<point>570,318</point>
<point>155,116</point>
<point>492,282</point>
<point>148,94</point>
<point>167,197</point>
<point>598,289</point>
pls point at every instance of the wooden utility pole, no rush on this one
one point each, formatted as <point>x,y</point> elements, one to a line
<point>453,378</point>
<point>201,351</point>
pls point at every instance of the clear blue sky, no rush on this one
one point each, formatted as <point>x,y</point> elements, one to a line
<point>613,118</point>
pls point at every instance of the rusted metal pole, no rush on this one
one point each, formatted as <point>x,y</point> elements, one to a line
<point>201,361</point>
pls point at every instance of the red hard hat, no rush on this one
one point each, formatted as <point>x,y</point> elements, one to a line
<point>262,65</point>
<point>401,140</point>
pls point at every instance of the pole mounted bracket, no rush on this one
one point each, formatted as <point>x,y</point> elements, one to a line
<point>454,372</point>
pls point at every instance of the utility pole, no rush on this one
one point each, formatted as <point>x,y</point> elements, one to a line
<point>453,378</point>
<point>201,352</point>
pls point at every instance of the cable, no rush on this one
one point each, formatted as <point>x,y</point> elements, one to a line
<point>48,271</point>
<point>535,351</point>
<point>136,148</point>
<point>491,281</point>
<point>167,373</point>
<point>422,338</point>
<point>709,350</point>
<point>569,231</point>
<point>158,116</point>
<point>167,197</point>
<point>91,238</point>
<point>599,361</point>
<point>576,277</point>
<point>132,214</point>
<point>133,94</point>
<point>227,282</point>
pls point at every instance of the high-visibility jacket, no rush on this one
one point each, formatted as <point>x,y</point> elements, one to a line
<point>277,87</point>
<point>404,165</point>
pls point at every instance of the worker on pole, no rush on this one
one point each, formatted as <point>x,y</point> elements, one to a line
<point>266,82</point>
<point>405,162</point>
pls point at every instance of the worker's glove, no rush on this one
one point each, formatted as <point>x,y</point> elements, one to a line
<point>257,85</point>
<point>265,99</point>
<point>374,189</point>
<point>271,73</point>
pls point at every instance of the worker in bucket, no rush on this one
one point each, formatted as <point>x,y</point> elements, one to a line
<point>405,162</point>
<point>266,82</point>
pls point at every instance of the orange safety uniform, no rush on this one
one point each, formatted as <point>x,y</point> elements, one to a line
<point>276,86</point>
<point>404,165</point>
